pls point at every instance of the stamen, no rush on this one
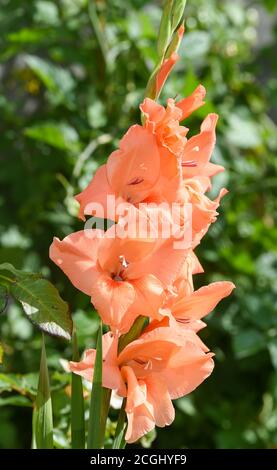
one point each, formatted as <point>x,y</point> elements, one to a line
<point>123,261</point>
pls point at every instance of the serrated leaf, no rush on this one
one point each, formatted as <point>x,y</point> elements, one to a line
<point>43,306</point>
<point>40,300</point>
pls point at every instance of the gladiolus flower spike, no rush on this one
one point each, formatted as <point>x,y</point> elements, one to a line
<point>137,276</point>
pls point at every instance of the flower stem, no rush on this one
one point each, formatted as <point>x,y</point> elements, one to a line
<point>119,439</point>
<point>77,404</point>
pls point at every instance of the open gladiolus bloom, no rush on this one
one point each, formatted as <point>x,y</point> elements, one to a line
<point>129,273</point>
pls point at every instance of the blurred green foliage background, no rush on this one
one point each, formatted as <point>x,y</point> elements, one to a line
<point>71,83</point>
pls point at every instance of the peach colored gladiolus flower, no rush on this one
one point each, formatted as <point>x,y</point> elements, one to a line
<point>189,306</point>
<point>160,165</point>
<point>125,277</point>
<point>141,170</point>
<point>165,122</point>
<point>165,363</point>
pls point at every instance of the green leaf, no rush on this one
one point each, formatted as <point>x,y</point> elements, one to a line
<point>247,343</point>
<point>147,440</point>
<point>272,347</point>
<point>10,268</point>
<point>243,132</point>
<point>58,81</point>
<point>41,301</point>
<point>28,36</point>
<point>43,419</point>
<point>57,134</point>
<point>77,404</point>
<point>165,30</point>
<point>47,13</point>
<point>94,435</point>
<point>133,333</point>
<point>195,44</point>
<point>271,5</point>
<point>15,400</point>
<point>4,296</point>
<point>178,12</point>
<point>43,306</point>
<point>25,384</point>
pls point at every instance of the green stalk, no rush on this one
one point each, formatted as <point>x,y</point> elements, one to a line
<point>77,404</point>
<point>95,436</point>
<point>134,332</point>
<point>119,438</point>
<point>43,419</point>
<point>101,39</point>
<point>168,41</point>
<point>106,398</point>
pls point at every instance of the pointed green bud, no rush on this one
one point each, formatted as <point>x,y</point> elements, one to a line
<point>177,13</point>
<point>165,31</point>
<point>176,41</point>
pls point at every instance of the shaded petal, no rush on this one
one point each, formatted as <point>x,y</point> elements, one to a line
<point>76,255</point>
<point>149,296</point>
<point>159,399</point>
<point>192,102</point>
<point>136,392</point>
<point>165,70</point>
<point>112,299</point>
<point>184,379</point>
<point>85,367</point>
<point>95,193</point>
<point>164,263</point>
<point>202,301</point>
<point>135,167</point>
<point>153,112</point>
<point>140,422</point>
<point>199,149</point>
<point>113,248</point>
<point>111,374</point>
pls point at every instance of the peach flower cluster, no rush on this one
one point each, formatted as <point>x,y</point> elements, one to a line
<point>133,276</point>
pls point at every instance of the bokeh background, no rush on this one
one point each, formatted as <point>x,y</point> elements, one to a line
<point>72,77</point>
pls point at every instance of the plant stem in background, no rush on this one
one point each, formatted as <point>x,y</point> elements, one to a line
<point>77,404</point>
<point>43,419</point>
